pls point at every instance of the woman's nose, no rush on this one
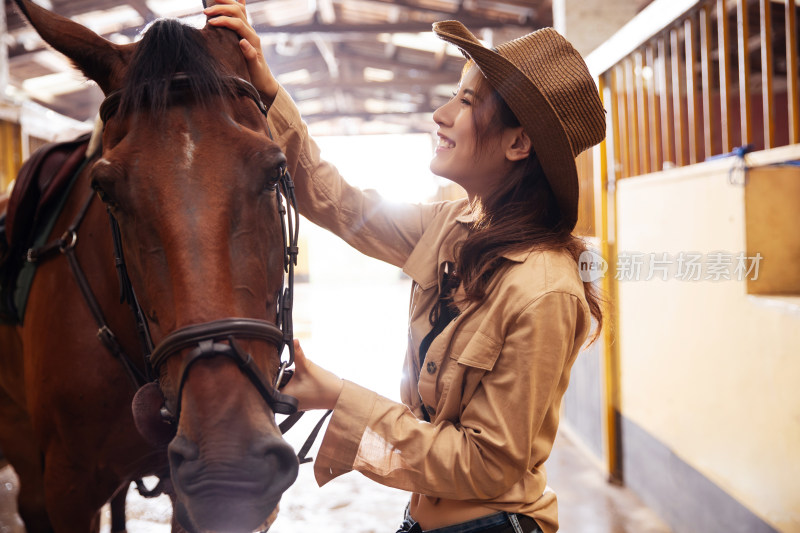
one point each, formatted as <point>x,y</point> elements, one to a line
<point>440,116</point>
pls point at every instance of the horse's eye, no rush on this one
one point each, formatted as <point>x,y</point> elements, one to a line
<point>277,173</point>
<point>100,192</point>
<point>104,197</point>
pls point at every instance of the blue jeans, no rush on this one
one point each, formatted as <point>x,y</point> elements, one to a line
<point>501,522</point>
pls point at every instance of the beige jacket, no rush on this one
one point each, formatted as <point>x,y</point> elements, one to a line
<point>492,380</point>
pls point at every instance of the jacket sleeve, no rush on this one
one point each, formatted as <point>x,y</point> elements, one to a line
<point>487,451</point>
<point>381,229</point>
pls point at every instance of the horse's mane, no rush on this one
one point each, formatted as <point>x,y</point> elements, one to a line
<point>168,48</point>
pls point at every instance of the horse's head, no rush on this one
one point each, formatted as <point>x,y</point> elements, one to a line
<point>189,173</point>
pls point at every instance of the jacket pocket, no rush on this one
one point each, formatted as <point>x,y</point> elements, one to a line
<point>479,351</point>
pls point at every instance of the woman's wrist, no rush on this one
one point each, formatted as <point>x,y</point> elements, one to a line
<point>331,390</point>
<point>268,90</point>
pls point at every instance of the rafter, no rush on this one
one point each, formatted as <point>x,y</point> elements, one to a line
<point>398,84</point>
<point>142,8</point>
<point>399,27</point>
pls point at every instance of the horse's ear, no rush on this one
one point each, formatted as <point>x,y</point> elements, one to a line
<point>99,59</point>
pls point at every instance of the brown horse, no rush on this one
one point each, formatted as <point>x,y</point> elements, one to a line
<point>188,172</point>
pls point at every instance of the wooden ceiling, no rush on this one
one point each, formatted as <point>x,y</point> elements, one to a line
<point>353,66</point>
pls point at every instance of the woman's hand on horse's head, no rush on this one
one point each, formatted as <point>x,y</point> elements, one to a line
<point>313,386</point>
<point>232,14</point>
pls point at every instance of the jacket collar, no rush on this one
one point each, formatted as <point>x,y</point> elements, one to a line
<point>437,246</point>
<point>467,217</point>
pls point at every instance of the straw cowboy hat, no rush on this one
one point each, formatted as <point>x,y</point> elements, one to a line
<point>547,85</point>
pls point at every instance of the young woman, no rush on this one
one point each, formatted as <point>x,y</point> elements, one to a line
<point>498,310</point>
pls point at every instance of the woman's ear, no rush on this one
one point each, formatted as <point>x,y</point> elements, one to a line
<point>518,144</point>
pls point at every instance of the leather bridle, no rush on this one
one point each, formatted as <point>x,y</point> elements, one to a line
<point>208,339</point>
<point>218,338</point>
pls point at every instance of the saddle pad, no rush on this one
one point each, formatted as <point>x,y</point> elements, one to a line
<point>40,180</point>
<point>36,201</point>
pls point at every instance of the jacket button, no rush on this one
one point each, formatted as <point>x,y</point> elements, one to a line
<point>431,366</point>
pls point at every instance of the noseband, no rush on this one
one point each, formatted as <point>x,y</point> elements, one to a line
<point>218,338</point>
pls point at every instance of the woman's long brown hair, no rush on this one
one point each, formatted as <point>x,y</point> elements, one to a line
<point>522,214</point>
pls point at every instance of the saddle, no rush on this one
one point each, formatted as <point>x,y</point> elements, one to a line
<point>34,204</point>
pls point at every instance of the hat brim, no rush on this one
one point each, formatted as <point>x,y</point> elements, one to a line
<point>537,117</point>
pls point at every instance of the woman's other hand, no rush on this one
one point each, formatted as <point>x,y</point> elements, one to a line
<point>313,386</point>
<point>232,14</point>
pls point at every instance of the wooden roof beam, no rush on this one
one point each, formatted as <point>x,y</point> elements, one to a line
<point>398,27</point>
<point>141,7</point>
<point>397,84</point>
<point>408,4</point>
<point>529,13</point>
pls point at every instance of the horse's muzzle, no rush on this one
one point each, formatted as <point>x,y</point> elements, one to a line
<point>236,494</point>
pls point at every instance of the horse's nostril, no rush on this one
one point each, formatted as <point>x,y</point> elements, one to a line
<point>279,458</point>
<point>182,449</point>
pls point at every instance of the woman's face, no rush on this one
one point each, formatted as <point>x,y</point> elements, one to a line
<point>457,157</point>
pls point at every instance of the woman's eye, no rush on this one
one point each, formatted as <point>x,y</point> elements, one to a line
<point>462,100</point>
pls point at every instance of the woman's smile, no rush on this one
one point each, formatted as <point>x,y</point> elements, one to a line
<point>444,144</point>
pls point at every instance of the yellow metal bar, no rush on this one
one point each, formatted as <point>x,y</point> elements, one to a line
<point>655,119</point>
<point>767,73</point>
<point>11,152</point>
<point>706,69</point>
<point>691,96</point>
<point>605,86</point>
<point>633,118</point>
<point>616,119</point>
<point>792,77</point>
<point>724,76</point>
<point>621,121</point>
<point>608,239</point>
<point>643,138</point>
<point>667,126</point>
<point>742,36</point>
<point>677,98</point>
<point>5,152</point>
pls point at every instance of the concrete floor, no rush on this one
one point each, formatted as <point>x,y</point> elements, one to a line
<point>587,504</point>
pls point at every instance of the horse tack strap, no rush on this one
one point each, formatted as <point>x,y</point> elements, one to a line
<point>289,422</point>
<point>66,246</point>
<point>302,454</point>
<point>181,82</point>
<point>204,338</point>
<point>278,402</point>
<point>218,329</point>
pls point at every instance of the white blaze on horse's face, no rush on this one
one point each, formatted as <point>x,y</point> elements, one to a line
<point>188,151</point>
